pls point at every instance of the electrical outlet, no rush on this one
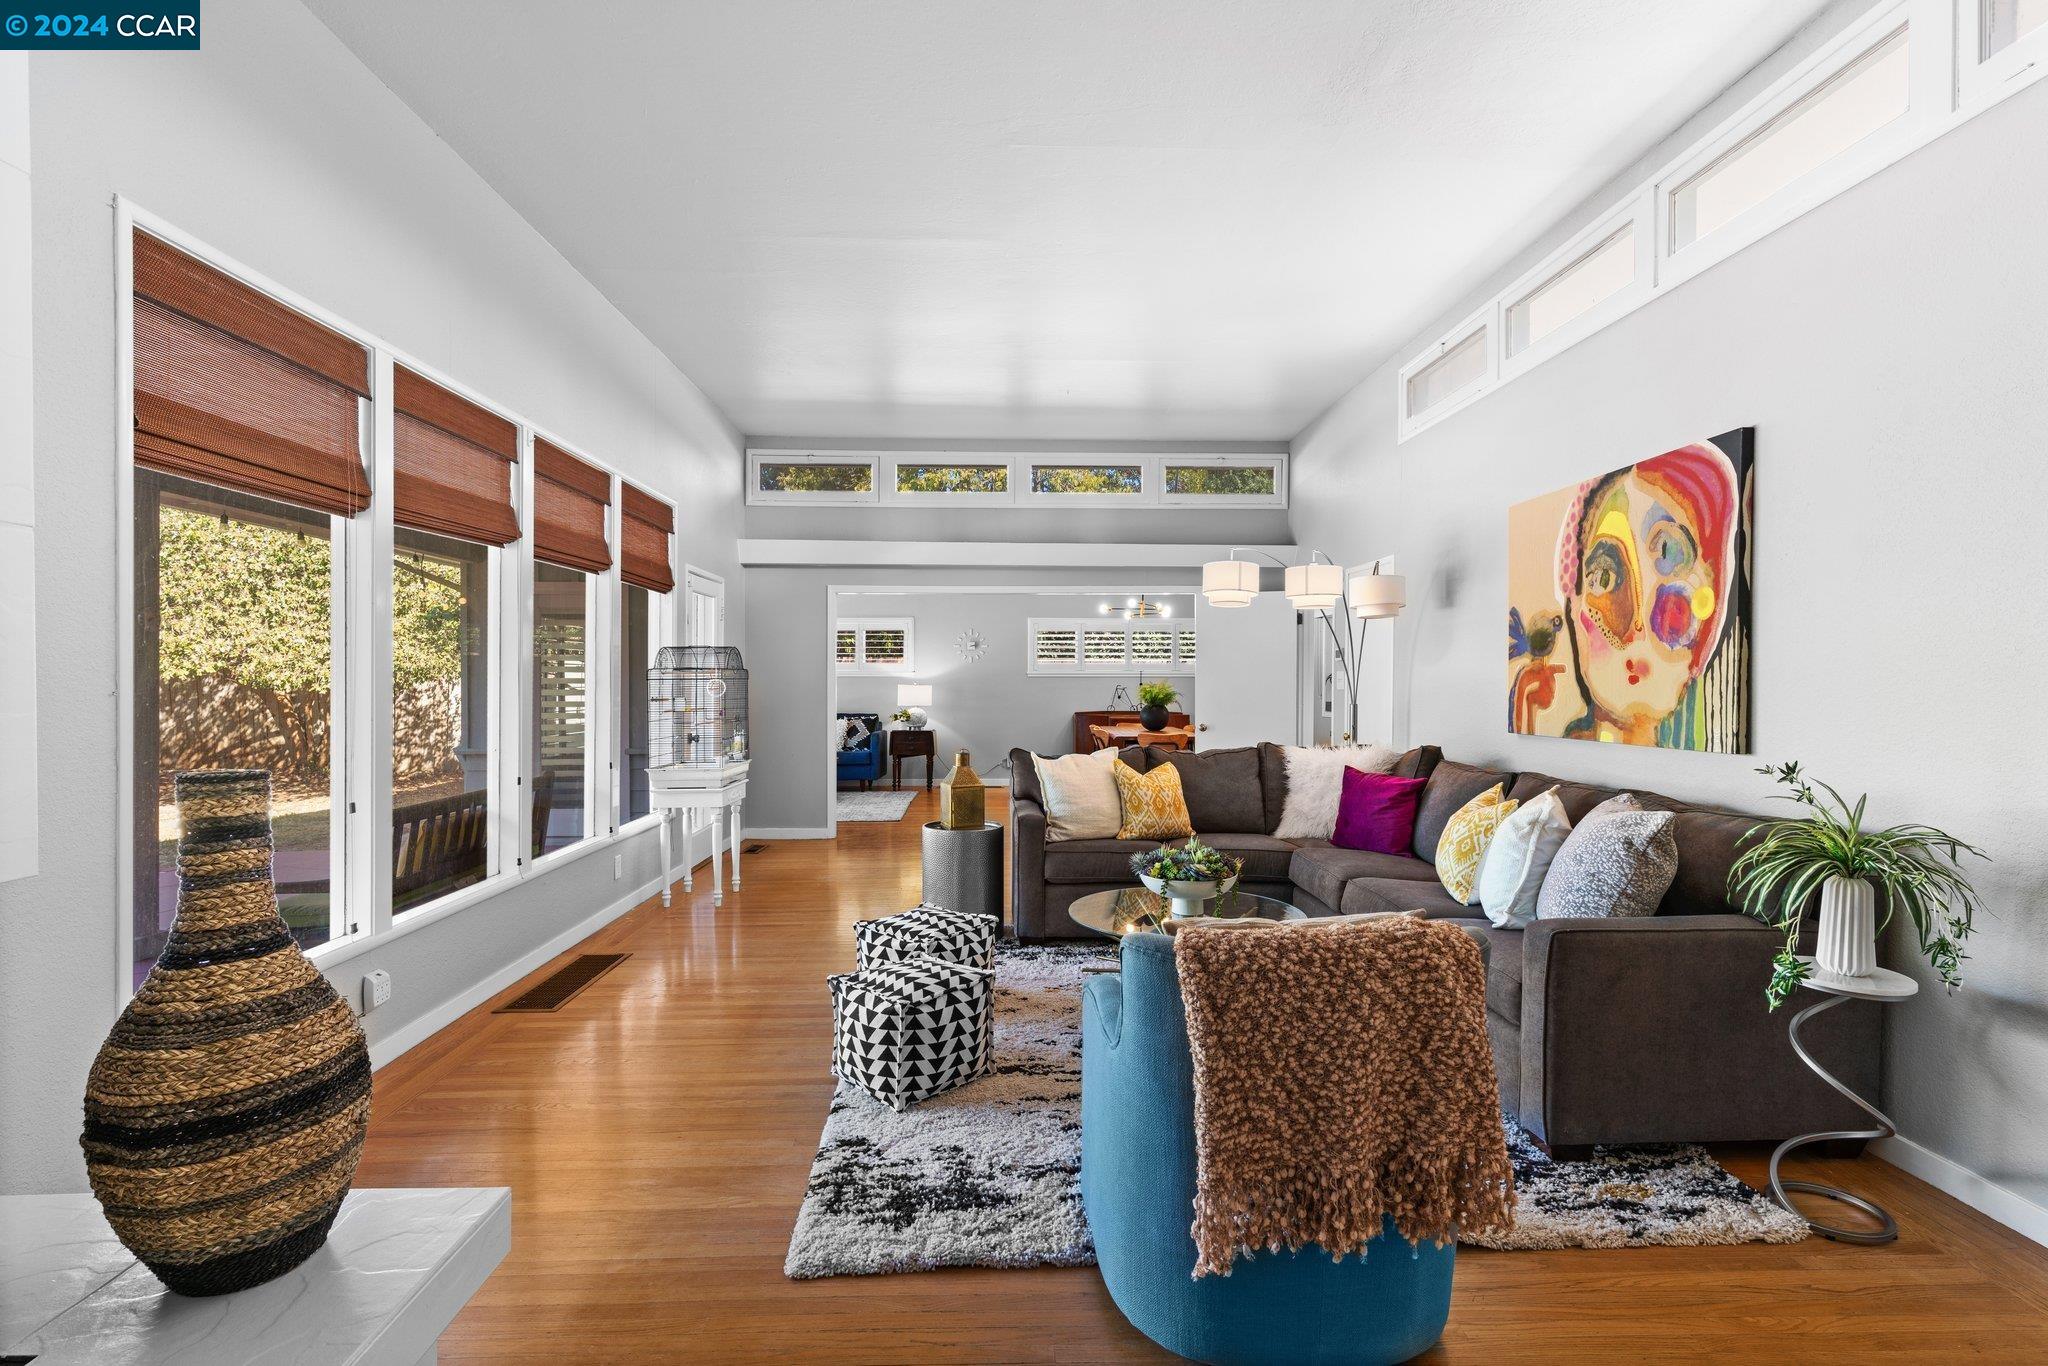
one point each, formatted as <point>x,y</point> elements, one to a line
<point>618,866</point>
<point>376,989</point>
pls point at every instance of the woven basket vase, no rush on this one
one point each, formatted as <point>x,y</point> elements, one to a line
<point>225,1114</point>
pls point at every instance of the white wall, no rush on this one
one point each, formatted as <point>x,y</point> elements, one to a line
<point>991,704</point>
<point>1889,349</point>
<point>278,148</point>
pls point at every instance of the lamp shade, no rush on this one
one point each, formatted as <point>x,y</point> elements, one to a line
<point>1230,583</point>
<point>1314,587</point>
<point>1378,595</point>
<point>913,694</point>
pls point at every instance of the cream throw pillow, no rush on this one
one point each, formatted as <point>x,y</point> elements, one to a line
<point>1519,857</point>
<point>1462,847</point>
<point>1315,782</point>
<point>1080,796</point>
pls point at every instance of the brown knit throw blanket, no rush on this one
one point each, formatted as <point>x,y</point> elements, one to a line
<point>1342,1075</point>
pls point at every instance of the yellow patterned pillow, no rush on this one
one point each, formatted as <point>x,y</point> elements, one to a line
<point>1462,848</point>
<point>1154,808</point>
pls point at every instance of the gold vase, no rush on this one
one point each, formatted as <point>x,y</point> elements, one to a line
<point>225,1113</point>
<point>963,797</point>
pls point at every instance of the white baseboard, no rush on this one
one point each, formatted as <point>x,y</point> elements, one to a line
<point>411,1035</point>
<point>1987,1197</point>
<point>790,832</point>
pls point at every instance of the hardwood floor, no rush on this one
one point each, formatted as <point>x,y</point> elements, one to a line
<point>657,1133</point>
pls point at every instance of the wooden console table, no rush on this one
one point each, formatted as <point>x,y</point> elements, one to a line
<point>693,791</point>
<point>396,1268</point>
<point>911,744</point>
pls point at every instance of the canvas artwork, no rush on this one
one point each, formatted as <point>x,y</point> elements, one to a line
<point>1629,603</point>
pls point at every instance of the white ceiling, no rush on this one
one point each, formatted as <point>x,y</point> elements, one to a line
<point>1176,219</point>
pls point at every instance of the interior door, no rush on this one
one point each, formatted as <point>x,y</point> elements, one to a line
<point>1245,673</point>
<point>703,608</point>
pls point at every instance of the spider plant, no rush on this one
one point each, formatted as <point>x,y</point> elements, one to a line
<point>1914,868</point>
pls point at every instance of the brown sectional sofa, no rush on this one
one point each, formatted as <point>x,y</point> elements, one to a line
<point>1650,1030</point>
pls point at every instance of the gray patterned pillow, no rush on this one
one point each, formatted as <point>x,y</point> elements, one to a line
<point>1618,861</point>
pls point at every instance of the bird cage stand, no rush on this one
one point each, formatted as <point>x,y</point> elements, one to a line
<point>697,753</point>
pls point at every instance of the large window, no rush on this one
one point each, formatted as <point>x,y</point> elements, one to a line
<point>1863,97</point>
<point>992,479</point>
<point>237,605</point>
<point>440,716</point>
<point>637,650</point>
<point>561,705</point>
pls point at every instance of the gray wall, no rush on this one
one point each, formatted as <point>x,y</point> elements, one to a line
<point>991,704</point>
<point>1888,347</point>
<point>789,665</point>
<point>1136,526</point>
<point>277,147</point>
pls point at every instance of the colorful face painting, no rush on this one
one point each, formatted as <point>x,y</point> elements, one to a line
<point>1629,603</point>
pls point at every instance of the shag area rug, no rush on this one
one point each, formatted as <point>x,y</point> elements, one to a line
<point>874,806</point>
<point>989,1175</point>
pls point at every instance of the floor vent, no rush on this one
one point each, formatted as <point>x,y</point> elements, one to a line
<point>755,849</point>
<point>561,988</point>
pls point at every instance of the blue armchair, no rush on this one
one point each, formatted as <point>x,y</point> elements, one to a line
<point>1138,1187</point>
<point>869,762</point>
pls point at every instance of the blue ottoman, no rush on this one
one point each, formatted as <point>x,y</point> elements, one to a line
<point>1138,1186</point>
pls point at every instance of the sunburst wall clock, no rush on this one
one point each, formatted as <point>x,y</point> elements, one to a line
<point>970,645</point>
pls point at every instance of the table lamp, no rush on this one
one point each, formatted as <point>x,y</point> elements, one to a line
<point>913,698</point>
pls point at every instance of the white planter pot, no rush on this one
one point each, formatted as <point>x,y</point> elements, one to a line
<point>1848,928</point>
<point>1188,898</point>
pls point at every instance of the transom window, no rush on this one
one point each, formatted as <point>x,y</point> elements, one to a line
<point>1056,645</point>
<point>906,478</point>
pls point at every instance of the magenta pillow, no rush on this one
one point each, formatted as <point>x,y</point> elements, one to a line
<point>1377,812</point>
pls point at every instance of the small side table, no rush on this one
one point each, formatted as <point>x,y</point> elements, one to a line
<point>911,744</point>
<point>1881,986</point>
<point>963,869</point>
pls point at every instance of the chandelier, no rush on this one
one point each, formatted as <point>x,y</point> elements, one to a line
<point>1139,608</point>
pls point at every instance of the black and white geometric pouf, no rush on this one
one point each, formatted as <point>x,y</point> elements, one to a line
<point>903,1032</point>
<point>928,931</point>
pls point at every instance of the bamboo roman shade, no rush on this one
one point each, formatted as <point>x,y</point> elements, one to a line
<point>234,388</point>
<point>452,472</point>
<point>570,500</point>
<point>645,524</point>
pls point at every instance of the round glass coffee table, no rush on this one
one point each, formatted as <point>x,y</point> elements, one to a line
<point>1134,910</point>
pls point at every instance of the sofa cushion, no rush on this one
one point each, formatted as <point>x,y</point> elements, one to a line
<point>1024,777</point>
<point>1419,762</point>
<point>1266,859</point>
<point>1707,845</point>
<point>1367,895</point>
<point>1503,967</point>
<point>1222,787</point>
<point>1450,786</point>
<point>1579,798</point>
<point>1093,860</point>
<point>1272,783</point>
<point>1322,869</point>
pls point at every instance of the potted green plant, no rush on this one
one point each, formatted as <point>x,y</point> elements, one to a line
<point>1154,697</point>
<point>1189,875</point>
<point>1828,856</point>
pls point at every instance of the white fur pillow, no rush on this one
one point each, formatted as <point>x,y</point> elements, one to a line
<point>1315,780</point>
<point>1079,794</point>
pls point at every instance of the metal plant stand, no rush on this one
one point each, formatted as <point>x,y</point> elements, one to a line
<point>1881,986</point>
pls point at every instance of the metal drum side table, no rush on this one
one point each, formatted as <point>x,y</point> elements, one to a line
<point>963,869</point>
<point>1881,986</point>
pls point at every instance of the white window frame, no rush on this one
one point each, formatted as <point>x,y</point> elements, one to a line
<point>360,771</point>
<point>1178,667</point>
<point>1983,81</point>
<point>860,626</point>
<point>1276,499</point>
<point>1947,85</point>
<point>1484,320</point>
<point>1148,480</point>
<point>832,498</point>
<point>893,461</point>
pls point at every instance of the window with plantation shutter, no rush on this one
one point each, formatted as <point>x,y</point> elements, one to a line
<point>452,471</point>
<point>1054,649</point>
<point>1105,649</point>
<point>645,525</point>
<point>234,389</point>
<point>570,500</point>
